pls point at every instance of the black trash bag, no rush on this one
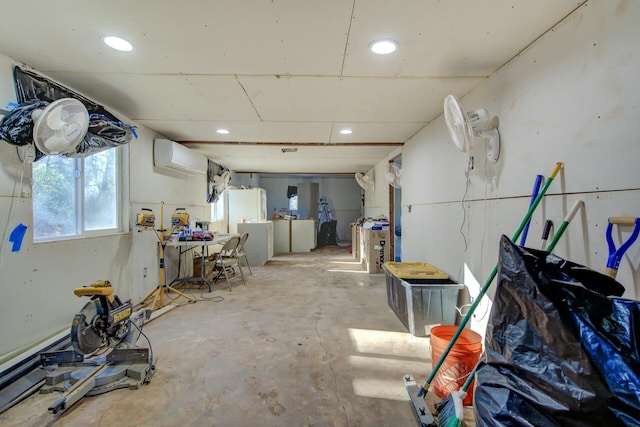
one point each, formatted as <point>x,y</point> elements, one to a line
<point>557,346</point>
<point>103,133</point>
<point>327,235</point>
<point>17,127</point>
<point>105,129</point>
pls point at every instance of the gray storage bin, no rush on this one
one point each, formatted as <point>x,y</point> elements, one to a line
<point>421,304</point>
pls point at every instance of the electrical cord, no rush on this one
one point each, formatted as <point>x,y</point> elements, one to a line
<point>211,299</point>
<point>464,210</point>
<point>148,342</point>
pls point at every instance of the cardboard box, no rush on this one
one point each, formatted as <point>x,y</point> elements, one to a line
<point>376,250</point>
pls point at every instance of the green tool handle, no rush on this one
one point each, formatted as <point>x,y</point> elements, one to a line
<point>486,285</point>
<point>565,222</point>
<point>563,227</point>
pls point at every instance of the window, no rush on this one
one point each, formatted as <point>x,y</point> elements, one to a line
<point>75,197</point>
<point>218,208</point>
<point>293,203</point>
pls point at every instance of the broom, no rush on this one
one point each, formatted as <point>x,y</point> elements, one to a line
<point>425,388</point>
<point>450,409</point>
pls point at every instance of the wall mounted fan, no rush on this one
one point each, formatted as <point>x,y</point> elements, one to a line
<point>394,175</point>
<point>219,184</point>
<point>463,126</point>
<point>364,180</point>
<point>222,181</point>
<point>60,126</point>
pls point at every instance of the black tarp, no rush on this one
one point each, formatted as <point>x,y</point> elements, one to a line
<point>561,346</point>
<point>36,91</point>
<point>327,235</point>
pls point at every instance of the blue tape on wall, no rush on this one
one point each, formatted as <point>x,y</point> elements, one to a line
<point>16,237</point>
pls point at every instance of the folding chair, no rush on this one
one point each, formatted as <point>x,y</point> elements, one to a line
<point>226,261</point>
<point>240,252</point>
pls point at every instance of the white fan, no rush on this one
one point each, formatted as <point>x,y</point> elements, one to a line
<point>221,181</point>
<point>463,126</point>
<point>394,175</point>
<point>364,180</point>
<point>60,126</point>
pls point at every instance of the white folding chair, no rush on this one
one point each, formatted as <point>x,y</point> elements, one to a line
<point>240,252</point>
<point>226,261</point>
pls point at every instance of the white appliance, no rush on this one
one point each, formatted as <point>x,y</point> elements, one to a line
<point>246,205</point>
<point>259,245</point>
<point>171,155</point>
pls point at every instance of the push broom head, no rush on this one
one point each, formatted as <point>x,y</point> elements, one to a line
<point>422,413</point>
<point>450,409</point>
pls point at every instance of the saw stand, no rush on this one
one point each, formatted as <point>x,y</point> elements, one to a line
<point>157,296</point>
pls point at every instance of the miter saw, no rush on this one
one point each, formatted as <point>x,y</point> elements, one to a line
<point>104,356</point>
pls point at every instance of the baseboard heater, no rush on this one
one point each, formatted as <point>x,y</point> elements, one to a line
<point>19,377</point>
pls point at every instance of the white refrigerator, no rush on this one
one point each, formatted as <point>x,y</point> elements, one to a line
<point>246,205</point>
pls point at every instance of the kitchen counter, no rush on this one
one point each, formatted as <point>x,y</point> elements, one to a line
<point>295,235</point>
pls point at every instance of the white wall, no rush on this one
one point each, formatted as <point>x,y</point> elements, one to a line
<point>37,282</point>
<point>376,200</point>
<point>572,96</point>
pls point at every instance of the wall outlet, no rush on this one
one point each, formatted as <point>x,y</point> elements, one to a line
<point>144,272</point>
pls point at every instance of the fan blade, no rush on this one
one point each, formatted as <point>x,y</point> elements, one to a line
<point>54,119</point>
<point>56,143</point>
<point>78,118</point>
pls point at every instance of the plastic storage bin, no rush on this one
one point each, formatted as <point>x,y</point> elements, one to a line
<point>421,296</point>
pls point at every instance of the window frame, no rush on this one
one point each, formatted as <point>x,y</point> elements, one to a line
<point>122,225</point>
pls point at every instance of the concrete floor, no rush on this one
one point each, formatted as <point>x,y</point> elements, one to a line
<point>309,341</point>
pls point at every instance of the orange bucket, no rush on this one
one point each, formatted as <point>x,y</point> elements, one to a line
<point>460,361</point>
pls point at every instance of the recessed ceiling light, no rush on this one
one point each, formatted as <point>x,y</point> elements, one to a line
<point>346,131</point>
<point>223,131</point>
<point>383,46</point>
<point>117,43</point>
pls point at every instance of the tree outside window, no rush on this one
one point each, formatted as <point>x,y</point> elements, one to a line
<point>76,196</point>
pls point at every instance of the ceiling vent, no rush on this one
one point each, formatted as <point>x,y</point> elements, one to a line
<point>171,155</point>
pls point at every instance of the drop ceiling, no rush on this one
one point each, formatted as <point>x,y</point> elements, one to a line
<point>276,73</point>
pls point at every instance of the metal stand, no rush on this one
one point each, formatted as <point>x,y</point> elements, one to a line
<point>184,279</point>
<point>324,214</point>
<point>157,295</point>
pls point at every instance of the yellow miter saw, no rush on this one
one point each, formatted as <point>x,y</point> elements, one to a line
<point>104,356</point>
<point>103,322</point>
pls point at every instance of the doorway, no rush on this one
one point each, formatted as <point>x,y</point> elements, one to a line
<point>395,211</point>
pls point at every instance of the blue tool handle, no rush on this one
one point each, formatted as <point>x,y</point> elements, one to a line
<point>534,194</point>
<point>615,255</point>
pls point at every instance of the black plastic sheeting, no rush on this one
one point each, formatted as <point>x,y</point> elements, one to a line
<point>36,91</point>
<point>103,133</point>
<point>327,235</point>
<point>561,347</point>
<point>16,128</point>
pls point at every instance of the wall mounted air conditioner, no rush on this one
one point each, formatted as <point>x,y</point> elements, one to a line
<point>171,155</point>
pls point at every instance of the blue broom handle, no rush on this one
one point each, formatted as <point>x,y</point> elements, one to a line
<point>534,194</point>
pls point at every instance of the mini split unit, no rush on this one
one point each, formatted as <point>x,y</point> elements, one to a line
<point>171,155</point>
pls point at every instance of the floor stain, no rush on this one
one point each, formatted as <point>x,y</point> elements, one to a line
<point>271,399</point>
